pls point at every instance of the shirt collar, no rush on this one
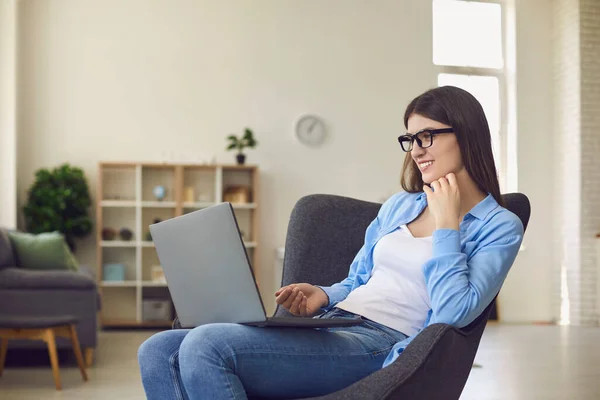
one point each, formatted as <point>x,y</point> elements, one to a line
<point>484,207</point>
<point>481,209</point>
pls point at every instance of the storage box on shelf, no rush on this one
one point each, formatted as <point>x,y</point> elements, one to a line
<point>134,195</point>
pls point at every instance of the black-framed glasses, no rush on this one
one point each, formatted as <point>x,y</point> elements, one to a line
<point>424,138</point>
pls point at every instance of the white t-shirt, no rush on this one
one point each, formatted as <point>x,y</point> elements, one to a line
<point>395,295</point>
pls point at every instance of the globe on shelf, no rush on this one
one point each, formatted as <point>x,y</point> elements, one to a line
<point>159,192</point>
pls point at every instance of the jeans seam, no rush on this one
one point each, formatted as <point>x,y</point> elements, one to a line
<point>176,383</point>
<point>229,383</point>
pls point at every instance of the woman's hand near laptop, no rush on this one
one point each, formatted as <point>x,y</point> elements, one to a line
<point>301,299</point>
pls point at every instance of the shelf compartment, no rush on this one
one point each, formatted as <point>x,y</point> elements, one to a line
<point>118,182</point>
<point>116,219</point>
<point>118,303</point>
<point>120,255</point>
<point>162,305</point>
<point>159,175</point>
<point>149,260</point>
<point>199,184</point>
<point>151,216</point>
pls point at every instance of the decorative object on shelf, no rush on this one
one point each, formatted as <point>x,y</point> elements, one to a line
<point>156,310</point>
<point>126,234</point>
<point>237,194</point>
<point>59,200</point>
<point>108,233</point>
<point>310,130</point>
<point>188,194</point>
<point>157,274</point>
<point>149,234</point>
<point>204,197</point>
<point>240,143</point>
<point>114,272</point>
<point>159,192</point>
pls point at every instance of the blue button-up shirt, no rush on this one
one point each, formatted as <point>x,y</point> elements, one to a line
<point>467,267</point>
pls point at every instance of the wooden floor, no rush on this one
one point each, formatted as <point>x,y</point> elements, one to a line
<point>518,363</point>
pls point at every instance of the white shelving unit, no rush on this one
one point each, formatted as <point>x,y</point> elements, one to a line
<point>127,201</point>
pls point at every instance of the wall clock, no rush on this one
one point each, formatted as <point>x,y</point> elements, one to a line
<point>310,130</point>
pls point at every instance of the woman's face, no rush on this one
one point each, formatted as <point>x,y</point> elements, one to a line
<point>442,157</point>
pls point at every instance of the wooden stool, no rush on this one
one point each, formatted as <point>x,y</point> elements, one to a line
<point>41,328</point>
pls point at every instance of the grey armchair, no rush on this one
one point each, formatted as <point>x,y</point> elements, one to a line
<point>437,363</point>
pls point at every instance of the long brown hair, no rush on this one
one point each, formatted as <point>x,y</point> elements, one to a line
<point>457,108</point>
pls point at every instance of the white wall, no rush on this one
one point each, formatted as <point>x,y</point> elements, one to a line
<point>138,79</point>
<point>8,146</point>
<point>526,294</point>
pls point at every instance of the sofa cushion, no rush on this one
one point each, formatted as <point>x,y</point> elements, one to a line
<point>42,251</point>
<point>7,256</point>
<point>22,278</point>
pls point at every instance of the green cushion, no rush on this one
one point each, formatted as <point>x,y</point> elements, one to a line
<point>43,251</point>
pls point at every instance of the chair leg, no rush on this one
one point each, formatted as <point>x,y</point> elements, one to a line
<point>89,356</point>
<point>77,350</point>
<point>3,350</point>
<point>51,342</point>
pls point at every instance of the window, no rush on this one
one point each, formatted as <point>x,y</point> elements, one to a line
<point>469,51</point>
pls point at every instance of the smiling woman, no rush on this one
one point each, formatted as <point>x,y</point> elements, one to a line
<point>437,252</point>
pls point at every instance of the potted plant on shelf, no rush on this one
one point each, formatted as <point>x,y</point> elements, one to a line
<point>59,200</point>
<point>240,143</point>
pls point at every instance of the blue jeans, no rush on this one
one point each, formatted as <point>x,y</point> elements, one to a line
<point>232,361</point>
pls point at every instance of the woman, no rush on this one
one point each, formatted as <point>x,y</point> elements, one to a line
<point>438,251</point>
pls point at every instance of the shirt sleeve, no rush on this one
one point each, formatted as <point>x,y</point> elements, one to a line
<point>461,286</point>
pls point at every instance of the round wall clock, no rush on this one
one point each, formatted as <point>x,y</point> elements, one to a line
<point>310,130</point>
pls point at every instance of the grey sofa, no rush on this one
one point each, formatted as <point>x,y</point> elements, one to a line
<point>26,292</point>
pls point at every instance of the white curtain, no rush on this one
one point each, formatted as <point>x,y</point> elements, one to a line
<point>8,134</point>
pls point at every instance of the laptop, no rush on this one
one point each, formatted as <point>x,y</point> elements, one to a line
<point>209,274</point>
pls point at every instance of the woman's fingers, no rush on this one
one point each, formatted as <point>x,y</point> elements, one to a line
<point>281,289</point>
<point>295,308</point>
<point>288,302</point>
<point>303,308</point>
<point>452,179</point>
<point>282,295</point>
<point>443,183</point>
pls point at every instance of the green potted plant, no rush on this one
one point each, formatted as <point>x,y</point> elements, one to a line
<point>239,143</point>
<point>59,200</point>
